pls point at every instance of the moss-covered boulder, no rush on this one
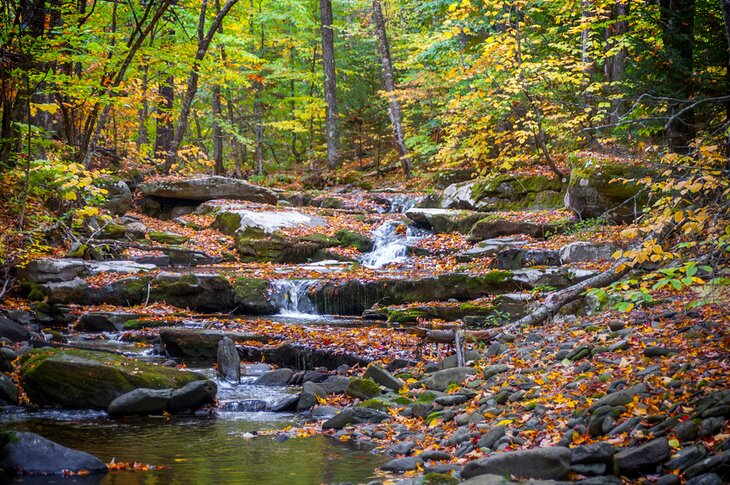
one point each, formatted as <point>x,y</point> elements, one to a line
<point>444,220</point>
<point>363,389</point>
<point>200,344</point>
<point>494,226</point>
<point>81,379</point>
<point>252,296</point>
<point>603,189</point>
<point>355,240</point>
<point>256,245</point>
<point>167,237</point>
<point>390,400</point>
<point>203,291</point>
<point>505,192</point>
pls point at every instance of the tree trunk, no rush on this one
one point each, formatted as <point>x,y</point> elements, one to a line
<point>142,135</point>
<point>394,109</point>
<point>164,128</point>
<point>677,18</point>
<point>204,40</point>
<point>330,84</point>
<point>726,16</point>
<point>218,167</point>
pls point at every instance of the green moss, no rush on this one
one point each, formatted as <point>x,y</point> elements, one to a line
<point>113,231</point>
<point>439,479</point>
<point>140,323</point>
<point>363,388</point>
<point>427,397</point>
<point>470,308</point>
<point>227,222</point>
<point>321,239</point>
<point>374,404</point>
<point>405,315</point>
<point>35,291</point>
<point>85,379</point>
<point>352,239</point>
<point>167,237</point>
<point>78,253</point>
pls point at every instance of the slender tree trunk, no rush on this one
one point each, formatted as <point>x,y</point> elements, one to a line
<point>726,16</point>
<point>218,167</point>
<point>394,109</point>
<point>142,135</point>
<point>164,128</point>
<point>330,84</point>
<point>204,40</point>
<point>677,18</point>
<point>311,115</point>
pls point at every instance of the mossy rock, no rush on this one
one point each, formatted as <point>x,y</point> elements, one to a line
<point>227,222</point>
<point>82,379</point>
<point>140,323</point>
<point>363,389</point>
<point>439,479</point>
<point>427,397</point>
<point>251,295</point>
<point>113,231</point>
<point>255,245</point>
<point>167,237</point>
<point>386,401</point>
<point>355,240</point>
<point>596,191</point>
<point>78,252</point>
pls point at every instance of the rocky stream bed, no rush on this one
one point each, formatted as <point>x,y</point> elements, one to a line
<point>227,333</point>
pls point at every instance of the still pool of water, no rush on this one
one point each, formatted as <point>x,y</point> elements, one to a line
<point>202,450</point>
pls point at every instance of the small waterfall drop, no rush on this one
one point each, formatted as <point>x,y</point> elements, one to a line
<point>390,244</point>
<point>292,299</point>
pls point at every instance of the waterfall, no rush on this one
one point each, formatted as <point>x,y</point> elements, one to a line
<point>292,299</point>
<point>390,244</point>
<point>400,203</point>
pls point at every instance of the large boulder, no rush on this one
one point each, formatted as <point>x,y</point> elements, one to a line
<point>444,220</point>
<point>81,379</point>
<point>228,360</point>
<point>583,251</point>
<point>104,321</point>
<point>200,291</point>
<point>253,296</point>
<point>494,226</point>
<point>199,344</point>
<point>53,270</point>
<point>205,188</point>
<point>229,221</point>
<point>118,198</point>
<point>158,401</point>
<point>12,330</point>
<point>538,463</point>
<point>505,191</point>
<point>256,245</point>
<point>28,453</point>
<point>600,189</point>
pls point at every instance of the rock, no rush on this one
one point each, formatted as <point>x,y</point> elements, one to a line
<point>192,396</point>
<point>335,384</point>
<point>659,352</point>
<point>383,377</point>
<point>167,237</point>
<point>493,370</point>
<point>252,296</point>
<point>278,377</point>
<point>363,389</point>
<point>400,465</point>
<point>601,452</point>
<point>255,245</point>
<point>118,197</point>
<point>642,458</point>
<point>491,437</point>
<point>518,258</point>
<point>686,458</point>
<point>135,230</point>
<point>355,415</point>
<point>687,431</point>
<point>197,343</point>
<point>444,220</point>
<point>229,362</point>
<point>7,356</point>
<point>492,227</point>
<point>619,398</point>
<point>203,291</point>
<point>706,479</point>
<point>205,188</point>
<point>231,220</point>
<point>50,270</point>
<point>441,380</point>
<point>81,379</point>
<point>505,191</point>
<point>355,240</point>
<point>286,404</point>
<point>29,453</point>
<point>13,331</point>
<point>539,463</point>
<point>582,251</point>
<point>490,247</point>
<point>8,390</point>
<point>469,356</point>
<point>594,191</point>
<point>140,402</point>
<point>308,397</point>
<point>105,321</point>
<point>435,455</point>
<point>719,463</point>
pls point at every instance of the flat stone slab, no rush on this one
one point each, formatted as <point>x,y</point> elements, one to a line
<point>208,188</point>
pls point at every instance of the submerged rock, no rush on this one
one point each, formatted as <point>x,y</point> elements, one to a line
<point>81,379</point>
<point>28,453</point>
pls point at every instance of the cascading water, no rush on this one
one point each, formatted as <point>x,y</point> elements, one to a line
<point>400,203</point>
<point>390,244</point>
<point>292,298</point>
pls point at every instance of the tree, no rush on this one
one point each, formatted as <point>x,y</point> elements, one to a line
<point>204,40</point>
<point>330,84</point>
<point>394,109</point>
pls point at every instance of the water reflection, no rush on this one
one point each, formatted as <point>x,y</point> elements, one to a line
<point>201,450</point>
